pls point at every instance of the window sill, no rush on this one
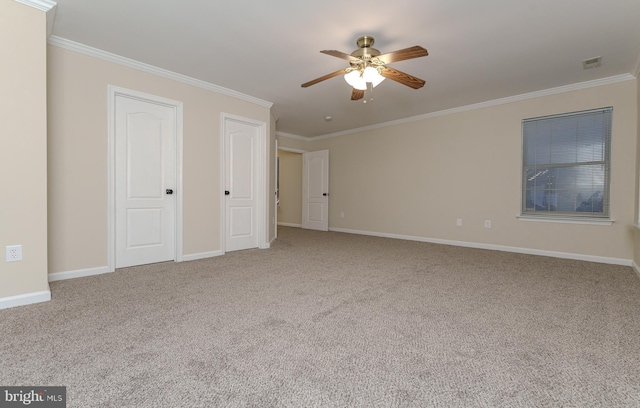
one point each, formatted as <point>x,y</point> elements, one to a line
<point>567,220</point>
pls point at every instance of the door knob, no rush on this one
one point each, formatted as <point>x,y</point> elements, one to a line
<point>324,194</point>
<point>226,192</point>
<point>169,191</point>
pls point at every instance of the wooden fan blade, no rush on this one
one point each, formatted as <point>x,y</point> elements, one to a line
<point>403,78</point>
<point>356,94</point>
<point>405,54</point>
<point>323,78</point>
<point>340,54</point>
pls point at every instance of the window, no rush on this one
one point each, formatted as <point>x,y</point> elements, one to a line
<point>566,160</point>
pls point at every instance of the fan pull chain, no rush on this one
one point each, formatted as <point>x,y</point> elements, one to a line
<point>370,89</point>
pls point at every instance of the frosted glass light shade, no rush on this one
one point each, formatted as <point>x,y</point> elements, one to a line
<point>372,75</point>
<point>354,79</point>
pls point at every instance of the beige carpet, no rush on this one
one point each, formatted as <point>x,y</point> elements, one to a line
<point>337,320</point>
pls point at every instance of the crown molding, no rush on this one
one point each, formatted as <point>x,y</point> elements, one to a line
<point>481,105</point>
<point>636,69</point>
<point>43,5</point>
<point>140,66</point>
<point>291,150</point>
<point>292,136</point>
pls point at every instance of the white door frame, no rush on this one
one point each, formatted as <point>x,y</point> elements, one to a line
<point>112,93</point>
<point>262,182</point>
<point>276,171</point>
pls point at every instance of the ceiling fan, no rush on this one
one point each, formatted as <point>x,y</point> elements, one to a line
<point>368,66</point>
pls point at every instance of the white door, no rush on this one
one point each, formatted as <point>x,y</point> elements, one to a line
<point>276,201</point>
<point>241,184</point>
<point>315,190</point>
<point>145,134</point>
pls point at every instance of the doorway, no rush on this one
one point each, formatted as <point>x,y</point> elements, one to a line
<point>289,205</point>
<point>303,189</point>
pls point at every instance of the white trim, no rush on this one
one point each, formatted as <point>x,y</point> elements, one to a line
<point>636,268</point>
<point>112,92</point>
<point>636,69</point>
<point>51,16</point>
<point>529,251</point>
<point>26,299</point>
<point>276,196</point>
<point>262,182</point>
<point>288,224</point>
<point>292,136</point>
<point>223,187</point>
<point>202,255</point>
<point>42,5</point>
<point>481,105</point>
<point>288,149</point>
<point>78,273</point>
<point>116,59</point>
<point>637,226</point>
<point>566,220</point>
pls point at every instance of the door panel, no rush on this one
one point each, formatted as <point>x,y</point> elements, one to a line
<point>242,164</point>
<point>316,212</point>
<point>145,134</point>
<point>315,190</point>
<point>144,156</point>
<point>241,221</point>
<point>144,227</point>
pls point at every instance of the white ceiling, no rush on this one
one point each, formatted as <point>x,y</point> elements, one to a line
<point>479,50</point>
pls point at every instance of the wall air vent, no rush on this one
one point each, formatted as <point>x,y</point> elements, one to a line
<point>591,62</point>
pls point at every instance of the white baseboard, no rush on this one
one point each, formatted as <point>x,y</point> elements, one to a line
<point>26,299</point>
<point>529,251</point>
<point>201,255</point>
<point>287,224</point>
<point>636,268</point>
<point>78,273</point>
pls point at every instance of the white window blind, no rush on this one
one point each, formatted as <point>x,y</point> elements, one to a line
<point>566,162</point>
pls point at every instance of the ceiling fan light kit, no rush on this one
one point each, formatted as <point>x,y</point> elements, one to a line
<point>368,66</point>
<point>360,77</point>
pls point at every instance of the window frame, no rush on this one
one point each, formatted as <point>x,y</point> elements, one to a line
<point>575,216</point>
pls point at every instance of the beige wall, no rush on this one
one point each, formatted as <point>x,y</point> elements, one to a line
<point>78,156</point>
<point>290,208</point>
<point>23,156</point>
<point>417,178</point>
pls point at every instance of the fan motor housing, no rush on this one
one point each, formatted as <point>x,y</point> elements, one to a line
<point>365,51</point>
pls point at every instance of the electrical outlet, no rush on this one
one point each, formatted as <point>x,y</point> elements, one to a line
<point>14,253</point>
<point>342,214</point>
<point>487,223</point>
<point>459,222</point>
